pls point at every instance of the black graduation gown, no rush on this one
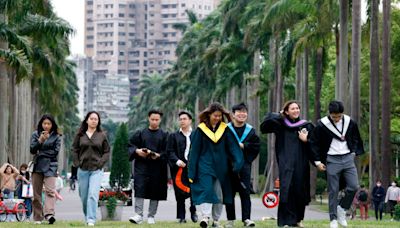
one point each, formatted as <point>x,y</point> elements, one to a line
<point>151,176</point>
<point>293,158</point>
<point>176,146</point>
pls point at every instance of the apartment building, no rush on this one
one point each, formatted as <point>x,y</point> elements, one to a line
<point>136,37</point>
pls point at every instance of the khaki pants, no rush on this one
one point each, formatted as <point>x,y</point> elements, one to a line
<point>49,183</point>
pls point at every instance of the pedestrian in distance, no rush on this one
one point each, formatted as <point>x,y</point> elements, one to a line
<point>378,198</point>
<point>45,146</point>
<point>335,142</point>
<point>214,150</point>
<point>392,196</point>
<point>293,155</point>
<point>178,147</point>
<point>90,151</point>
<point>147,147</point>
<point>24,178</point>
<point>249,143</point>
<point>363,198</point>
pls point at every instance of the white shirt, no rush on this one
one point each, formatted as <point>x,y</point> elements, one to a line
<point>393,193</point>
<point>338,147</point>
<point>187,135</point>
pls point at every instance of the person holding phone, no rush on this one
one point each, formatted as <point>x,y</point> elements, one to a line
<point>45,145</point>
<point>293,154</point>
<point>147,148</point>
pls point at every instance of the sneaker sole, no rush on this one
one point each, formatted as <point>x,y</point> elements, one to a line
<point>52,220</point>
<point>134,222</point>
<point>203,224</point>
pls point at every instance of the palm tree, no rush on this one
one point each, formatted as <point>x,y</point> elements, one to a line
<point>355,60</point>
<point>343,86</point>
<point>374,95</point>
<point>386,88</point>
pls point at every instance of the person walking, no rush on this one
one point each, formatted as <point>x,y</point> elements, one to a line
<point>392,196</point>
<point>147,148</point>
<point>90,151</point>
<point>213,147</point>
<point>45,146</point>
<point>378,198</point>
<point>249,143</point>
<point>293,156</point>
<point>178,146</point>
<point>363,201</point>
<point>24,178</point>
<point>335,142</point>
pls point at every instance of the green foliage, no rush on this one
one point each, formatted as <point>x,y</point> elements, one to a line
<point>321,186</point>
<point>111,128</point>
<point>111,204</point>
<point>120,167</point>
<point>396,213</point>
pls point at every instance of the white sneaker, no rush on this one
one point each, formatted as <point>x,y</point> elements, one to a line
<point>333,224</point>
<point>216,224</point>
<point>37,222</point>
<point>150,220</point>
<point>249,223</point>
<point>137,219</point>
<point>90,224</point>
<point>341,216</point>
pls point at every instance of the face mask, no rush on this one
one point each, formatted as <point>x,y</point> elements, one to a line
<point>393,184</point>
<point>378,185</point>
<point>23,172</point>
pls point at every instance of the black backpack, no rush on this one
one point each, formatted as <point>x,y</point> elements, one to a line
<point>363,196</point>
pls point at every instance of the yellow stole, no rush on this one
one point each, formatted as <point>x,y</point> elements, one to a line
<point>210,134</point>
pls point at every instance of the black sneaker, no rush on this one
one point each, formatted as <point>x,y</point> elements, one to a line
<point>51,220</point>
<point>194,217</point>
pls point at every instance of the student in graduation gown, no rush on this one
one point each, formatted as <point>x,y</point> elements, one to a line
<point>335,142</point>
<point>178,147</point>
<point>293,156</point>
<point>213,146</point>
<point>148,148</point>
<point>249,143</point>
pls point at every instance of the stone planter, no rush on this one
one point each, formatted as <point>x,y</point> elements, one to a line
<point>117,212</point>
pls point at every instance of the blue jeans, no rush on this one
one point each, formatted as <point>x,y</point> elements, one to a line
<point>28,204</point>
<point>89,188</point>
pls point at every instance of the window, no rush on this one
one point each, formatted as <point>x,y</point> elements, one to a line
<point>164,6</point>
<point>173,6</point>
<point>121,15</point>
<point>164,15</point>
<point>131,15</point>
<point>160,53</point>
<point>89,11</point>
<point>121,53</point>
<point>173,34</point>
<point>89,37</point>
<point>165,25</point>
<point>165,34</point>
<point>173,15</point>
<point>89,29</point>
<point>131,25</point>
<point>90,3</point>
<point>145,63</point>
<point>121,43</point>
<point>167,52</point>
<point>122,6</point>
<point>89,45</point>
<point>121,34</point>
<point>131,34</point>
<point>183,5</point>
<point>159,62</point>
<point>121,24</point>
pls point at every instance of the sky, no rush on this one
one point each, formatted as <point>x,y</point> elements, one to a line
<point>73,12</point>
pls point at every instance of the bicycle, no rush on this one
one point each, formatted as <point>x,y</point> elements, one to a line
<point>12,206</point>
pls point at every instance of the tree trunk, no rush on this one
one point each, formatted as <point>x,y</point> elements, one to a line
<point>3,101</point>
<point>253,103</point>
<point>355,60</point>
<point>304,87</point>
<point>318,83</point>
<point>337,69</point>
<point>374,96</point>
<point>298,78</point>
<point>343,86</point>
<point>386,85</point>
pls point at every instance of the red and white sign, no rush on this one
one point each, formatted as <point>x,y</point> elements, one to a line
<point>270,199</point>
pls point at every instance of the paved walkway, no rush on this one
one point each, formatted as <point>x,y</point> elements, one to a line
<point>71,209</point>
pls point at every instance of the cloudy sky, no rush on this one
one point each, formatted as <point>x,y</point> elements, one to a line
<point>73,12</point>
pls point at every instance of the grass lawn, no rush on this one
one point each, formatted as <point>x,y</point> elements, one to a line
<point>316,224</point>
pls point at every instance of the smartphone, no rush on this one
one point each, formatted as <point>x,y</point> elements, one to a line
<point>304,130</point>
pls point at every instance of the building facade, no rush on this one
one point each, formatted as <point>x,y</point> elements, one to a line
<point>136,37</point>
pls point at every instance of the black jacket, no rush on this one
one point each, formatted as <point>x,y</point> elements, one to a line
<point>321,139</point>
<point>378,194</point>
<point>45,154</point>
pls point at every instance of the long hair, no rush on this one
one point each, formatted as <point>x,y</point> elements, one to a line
<point>204,116</point>
<point>54,127</point>
<point>285,107</point>
<point>84,125</point>
<point>25,166</point>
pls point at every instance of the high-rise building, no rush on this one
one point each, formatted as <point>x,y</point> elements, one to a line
<point>136,37</point>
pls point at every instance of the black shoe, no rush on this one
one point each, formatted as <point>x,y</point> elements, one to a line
<point>194,217</point>
<point>182,220</point>
<point>51,220</point>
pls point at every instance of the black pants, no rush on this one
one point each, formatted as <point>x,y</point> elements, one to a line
<point>391,204</point>
<point>243,187</point>
<point>378,205</point>
<point>181,209</point>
